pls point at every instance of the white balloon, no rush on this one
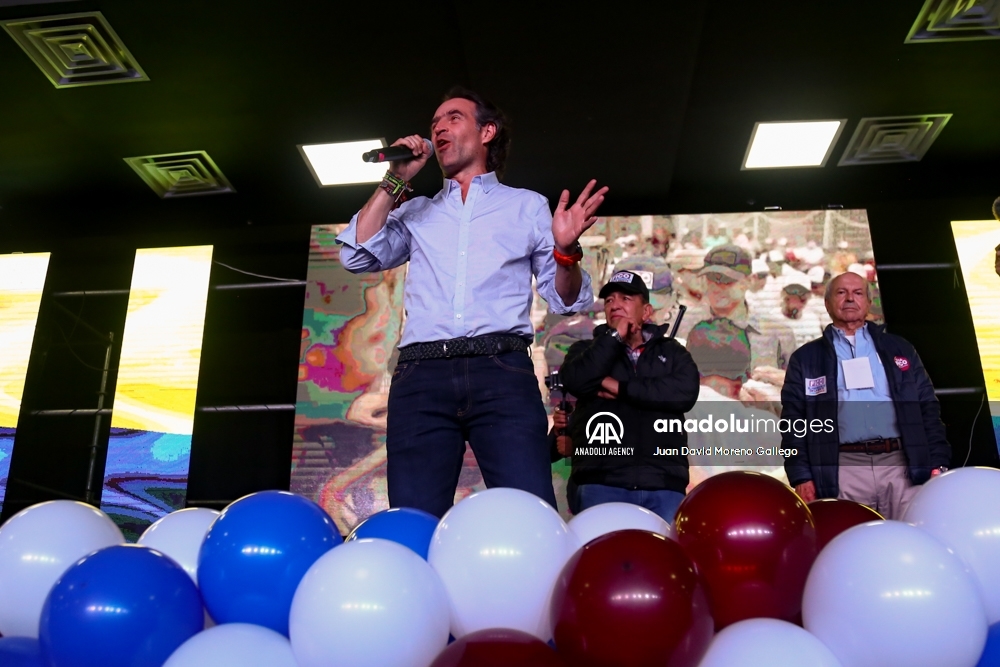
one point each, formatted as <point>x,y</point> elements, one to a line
<point>369,602</point>
<point>767,642</point>
<point>606,518</point>
<point>234,645</point>
<point>179,535</point>
<point>499,553</point>
<point>37,545</point>
<point>887,593</point>
<point>962,509</point>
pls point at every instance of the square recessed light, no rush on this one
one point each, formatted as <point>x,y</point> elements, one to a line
<point>792,144</point>
<point>341,163</point>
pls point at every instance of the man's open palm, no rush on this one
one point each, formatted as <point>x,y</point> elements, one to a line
<point>569,223</point>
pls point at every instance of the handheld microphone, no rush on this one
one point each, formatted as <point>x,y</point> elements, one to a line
<point>394,153</point>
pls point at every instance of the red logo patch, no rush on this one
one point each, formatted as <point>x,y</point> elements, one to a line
<point>903,363</point>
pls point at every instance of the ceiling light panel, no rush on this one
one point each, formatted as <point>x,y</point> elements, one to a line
<point>956,21</point>
<point>893,139</point>
<point>181,174</point>
<point>74,50</point>
<point>341,163</point>
<point>792,144</point>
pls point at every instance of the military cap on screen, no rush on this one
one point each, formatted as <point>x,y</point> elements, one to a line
<point>729,260</point>
<point>627,283</point>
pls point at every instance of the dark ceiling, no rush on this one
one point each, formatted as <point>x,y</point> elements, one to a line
<point>655,100</point>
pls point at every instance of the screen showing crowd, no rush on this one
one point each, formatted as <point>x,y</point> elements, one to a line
<point>752,286</point>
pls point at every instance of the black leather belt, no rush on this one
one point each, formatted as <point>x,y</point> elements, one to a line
<point>463,347</point>
<point>880,446</point>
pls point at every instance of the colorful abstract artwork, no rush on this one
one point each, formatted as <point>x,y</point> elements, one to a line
<point>978,245</point>
<point>153,414</point>
<point>777,263</point>
<point>22,278</point>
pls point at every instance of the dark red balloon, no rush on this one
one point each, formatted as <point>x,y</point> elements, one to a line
<point>631,599</point>
<point>753,540</point>
<point>833,516</point>
<point>498,648</point>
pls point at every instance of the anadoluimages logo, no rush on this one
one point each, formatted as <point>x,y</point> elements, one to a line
<point>604,431</point>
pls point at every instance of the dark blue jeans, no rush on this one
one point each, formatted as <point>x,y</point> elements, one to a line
<point>437,405</point>
<point>663,502</point>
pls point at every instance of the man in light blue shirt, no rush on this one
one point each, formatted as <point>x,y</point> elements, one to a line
<point>871,425</point>
<point>866,413</point>
<point>464,373</point>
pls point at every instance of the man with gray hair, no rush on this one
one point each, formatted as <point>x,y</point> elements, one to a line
<point>871,387</point>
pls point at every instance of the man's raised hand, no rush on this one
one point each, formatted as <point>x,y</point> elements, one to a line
<point>569,223</point>
<point>407,169</point>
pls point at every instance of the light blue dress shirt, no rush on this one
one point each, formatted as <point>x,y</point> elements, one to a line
<point>471,262</point>
<point>863,414</point>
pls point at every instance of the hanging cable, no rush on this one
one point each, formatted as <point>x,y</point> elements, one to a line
<point>972,429</point>
<point>256,275</point>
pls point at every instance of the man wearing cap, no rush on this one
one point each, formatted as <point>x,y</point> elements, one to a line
<point>726,272</point>
<point>880,433</point>
<point>795,297</point>
<point>625,379</point>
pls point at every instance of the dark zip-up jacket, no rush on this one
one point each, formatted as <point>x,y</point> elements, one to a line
<point>918,414</point>
<point>663,384</point>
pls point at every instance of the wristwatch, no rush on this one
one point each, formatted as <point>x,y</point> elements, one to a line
<point>613,333</point>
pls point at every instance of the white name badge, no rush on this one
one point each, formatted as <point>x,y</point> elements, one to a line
<point>858,373</point>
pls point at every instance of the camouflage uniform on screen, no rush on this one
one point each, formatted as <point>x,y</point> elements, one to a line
<point>726,272</point>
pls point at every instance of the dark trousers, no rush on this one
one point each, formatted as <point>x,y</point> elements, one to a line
<point>437,405</point>
<point>663,502</point>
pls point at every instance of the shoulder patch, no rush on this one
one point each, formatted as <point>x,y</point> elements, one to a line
<point>816,386</point>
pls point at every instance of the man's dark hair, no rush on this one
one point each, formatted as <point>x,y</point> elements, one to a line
<point>487,112</point>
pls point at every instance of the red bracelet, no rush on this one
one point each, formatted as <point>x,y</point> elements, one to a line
<point>568,260</point>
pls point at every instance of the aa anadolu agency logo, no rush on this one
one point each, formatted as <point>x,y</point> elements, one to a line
<point>604,432</point>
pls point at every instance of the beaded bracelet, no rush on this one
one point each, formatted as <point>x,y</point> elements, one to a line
<point>395,187</point>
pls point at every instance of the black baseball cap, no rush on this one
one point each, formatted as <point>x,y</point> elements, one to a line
<point>627,283</point>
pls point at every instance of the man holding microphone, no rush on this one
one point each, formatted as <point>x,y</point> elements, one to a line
<point>464,373</point>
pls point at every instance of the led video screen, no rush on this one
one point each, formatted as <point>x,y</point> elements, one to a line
<point>352,324</point>
<point>153,413</point>
<point>22,278</point>
<point>976,242</point>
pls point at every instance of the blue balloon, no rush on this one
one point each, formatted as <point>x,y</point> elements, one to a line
<point>412,528</point>
<point>125,605</point>
<point>255,554</point>
<point>20,652</point>
<point>991,654</point>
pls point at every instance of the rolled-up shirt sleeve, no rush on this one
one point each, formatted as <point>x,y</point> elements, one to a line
<point>389,248</point>
<point>543,266</point>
